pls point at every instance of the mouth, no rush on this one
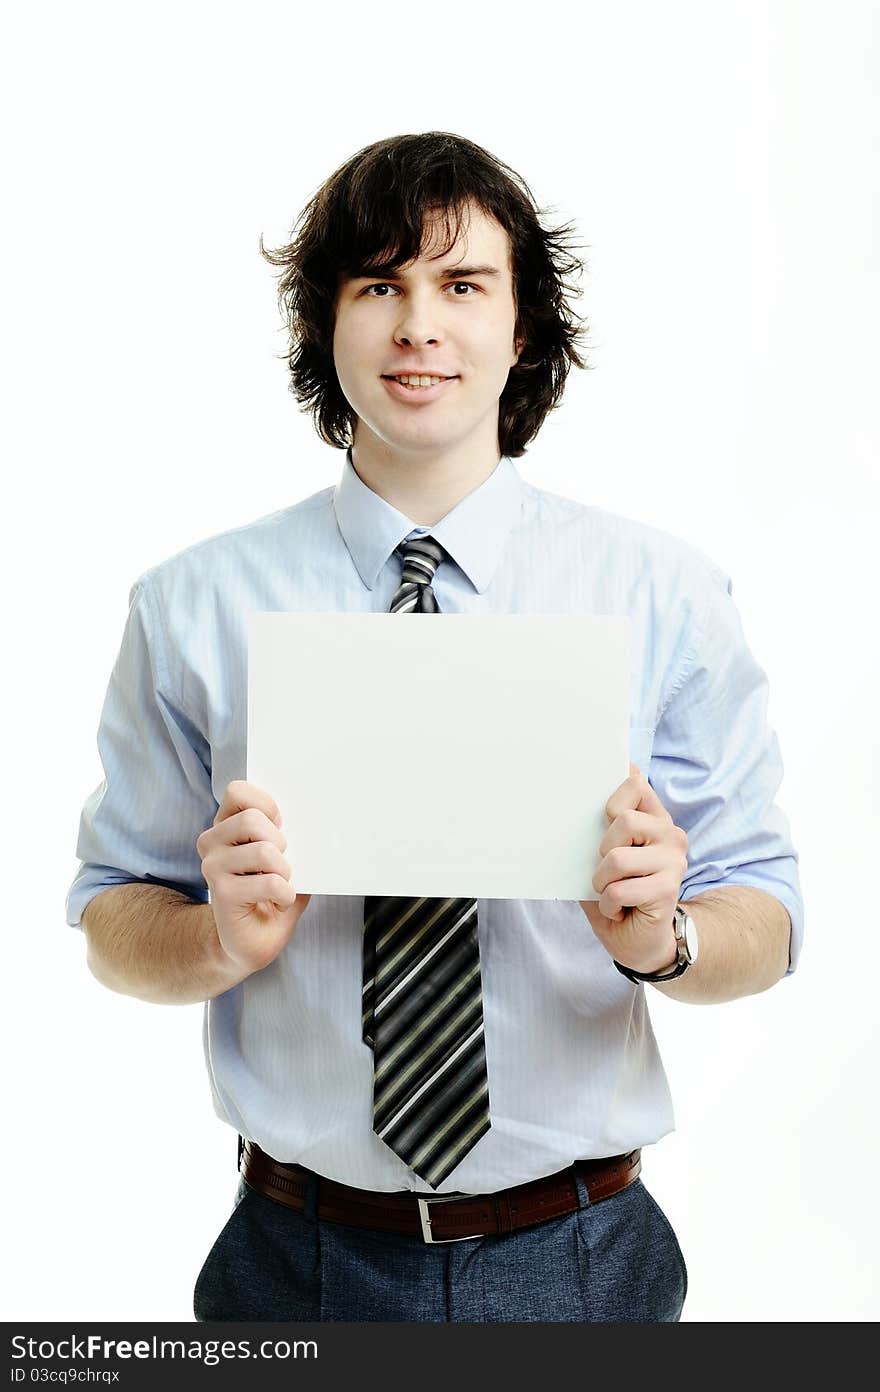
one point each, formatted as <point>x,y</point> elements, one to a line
<point>403,391</point>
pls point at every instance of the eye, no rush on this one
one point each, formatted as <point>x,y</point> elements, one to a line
<point>384,285</point>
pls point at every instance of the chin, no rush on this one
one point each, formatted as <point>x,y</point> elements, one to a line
<point>411,435</point>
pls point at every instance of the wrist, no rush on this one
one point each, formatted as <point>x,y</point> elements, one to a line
<point>687,948</point>
<point>222,971</point>
<point>660,968</point>
<point>664,960</point>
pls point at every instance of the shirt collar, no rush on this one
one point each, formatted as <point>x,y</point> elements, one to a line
<point>474,532</point>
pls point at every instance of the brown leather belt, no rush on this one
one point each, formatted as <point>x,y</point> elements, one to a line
<point>439,1217</point>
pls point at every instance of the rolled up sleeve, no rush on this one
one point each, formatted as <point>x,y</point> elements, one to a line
<point>716,765</point>
<point>142,821</point>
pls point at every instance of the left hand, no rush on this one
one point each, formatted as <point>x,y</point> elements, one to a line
<point>639,878</point>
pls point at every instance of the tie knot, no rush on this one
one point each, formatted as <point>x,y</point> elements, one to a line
<point>421,557</point>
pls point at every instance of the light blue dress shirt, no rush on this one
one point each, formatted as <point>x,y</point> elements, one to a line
<point>574,1068</point>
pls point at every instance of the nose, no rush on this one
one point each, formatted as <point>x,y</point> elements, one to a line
<point>416,323</point>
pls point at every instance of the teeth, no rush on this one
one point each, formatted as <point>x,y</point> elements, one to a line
<point>420,381</point>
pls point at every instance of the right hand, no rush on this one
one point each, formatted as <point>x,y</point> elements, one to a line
<point>256,909</point>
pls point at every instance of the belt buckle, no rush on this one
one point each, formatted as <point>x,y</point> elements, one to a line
<point>425,1218</point>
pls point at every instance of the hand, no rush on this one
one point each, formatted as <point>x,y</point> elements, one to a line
<point>255,906</point>
<point>639,878</point>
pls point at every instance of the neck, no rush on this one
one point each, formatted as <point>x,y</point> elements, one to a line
<point>422,484</point>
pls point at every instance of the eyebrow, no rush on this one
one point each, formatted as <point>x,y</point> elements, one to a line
<point>448,272</point>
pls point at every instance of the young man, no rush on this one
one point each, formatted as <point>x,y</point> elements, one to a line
<point>441,1104</point>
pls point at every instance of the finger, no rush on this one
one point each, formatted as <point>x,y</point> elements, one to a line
<point>633,828</point>
<point>624,862</point>
<point>636,892</point>
<point>634,792</point>
<point>240,795</point>
<point>258,889</point>
<point>252,858</point>
<point>627,795</point>
<point>240,828</point>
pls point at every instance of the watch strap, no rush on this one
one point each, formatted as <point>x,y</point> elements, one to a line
<point>677,970</point>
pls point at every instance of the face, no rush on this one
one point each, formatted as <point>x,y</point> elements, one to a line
<point>452,317</point>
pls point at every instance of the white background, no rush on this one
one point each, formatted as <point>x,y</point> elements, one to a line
<point>720,163</point>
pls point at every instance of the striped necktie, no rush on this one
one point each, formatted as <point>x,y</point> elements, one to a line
<point>422,999</point>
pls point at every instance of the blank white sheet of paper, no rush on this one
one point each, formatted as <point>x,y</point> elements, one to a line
<point>469,756</point>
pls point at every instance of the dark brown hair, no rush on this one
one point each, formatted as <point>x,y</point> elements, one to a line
<point>374,210</point>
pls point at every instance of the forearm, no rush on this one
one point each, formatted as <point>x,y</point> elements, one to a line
<point>743,946</point>
<point>153,943</point>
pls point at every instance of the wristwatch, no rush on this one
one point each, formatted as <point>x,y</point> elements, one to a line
<point>686,941</point>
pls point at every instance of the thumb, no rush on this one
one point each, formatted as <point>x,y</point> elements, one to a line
<point>591,909</point>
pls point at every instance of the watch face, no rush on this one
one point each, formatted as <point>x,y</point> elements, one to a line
<point>690,938</point>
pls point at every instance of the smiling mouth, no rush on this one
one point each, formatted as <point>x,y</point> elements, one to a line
<point>426,383</point>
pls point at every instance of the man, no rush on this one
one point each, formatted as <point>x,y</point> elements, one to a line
<point>441,1104</point>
